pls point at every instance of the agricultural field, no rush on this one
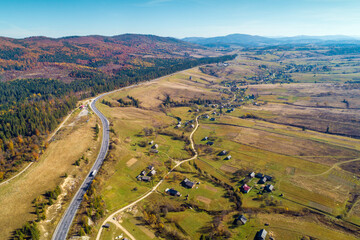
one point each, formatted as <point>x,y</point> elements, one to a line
<point>311,170</point>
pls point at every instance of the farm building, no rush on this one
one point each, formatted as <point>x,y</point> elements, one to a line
<point>143,178</point>
<point>228,157</point>
<point>155,146</point>
<point>222,153</point>
<point>152,172</point>
<point>205,138</point>
<point>172,192</point>
<point>188,184</point>
<point>146,178</point>
<point>268,178</point>
<point>154,151</point>
<point>241,220</point>
<point>262,180</point>
<point>269,188</point>
<point>259,175</point>
<point>261,235</point>
<point>245,188</point>
<point>210,143</point>
<point>151,142</point>
<point>150,167</point>
<point>252,174</point>
<point>212,119</point>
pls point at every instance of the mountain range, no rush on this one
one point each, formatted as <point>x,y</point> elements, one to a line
<point>245,40</point>
<point>37,57</point>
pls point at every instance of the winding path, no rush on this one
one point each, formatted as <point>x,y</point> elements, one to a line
<point>64,225</point>
<point>112,216</point>
<point>49,138</point>
<point>17,174</point>
<point>332,167</point>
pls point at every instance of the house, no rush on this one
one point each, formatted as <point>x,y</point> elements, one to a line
<point>222,153</point>
<point>152,172</point>
<point>192,126</point>
<point>172,192</point>
<point>269,188</point>
<point>146,178</point>
<point>245,188</point>
<point>188,184</point>
<point>228,157</point>
<point>205,138</point>
<point>206,116</point>
<point>261,235</point>
<point>269,178</point>
<point>106,225</point>
<point>143,173</point>
<point>241,220</point>
<point>155,146</point>
<point>154,151</point>
<point>178,126</point>
<point>262,180</point>
<point>151,142</point>
<point>210,143</point>
<point>259,175</point>
<point>82,106</point>
<point>150,167</point>
<point>252,174</point>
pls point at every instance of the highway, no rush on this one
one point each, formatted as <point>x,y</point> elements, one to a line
<point>64,225</point>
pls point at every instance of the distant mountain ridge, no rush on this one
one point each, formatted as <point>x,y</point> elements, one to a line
<point>56,57</point>
<point>245,40</point>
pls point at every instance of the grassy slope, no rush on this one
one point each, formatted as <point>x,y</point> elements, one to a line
<point>70,144</point>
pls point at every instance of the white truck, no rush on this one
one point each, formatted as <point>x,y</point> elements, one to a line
<point>93,173</point>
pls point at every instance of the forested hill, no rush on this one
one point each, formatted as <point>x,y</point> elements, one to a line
<point>42,57</point>
<point>31,107</point>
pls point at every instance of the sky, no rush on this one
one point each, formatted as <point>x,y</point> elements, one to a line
<point>179,18</point>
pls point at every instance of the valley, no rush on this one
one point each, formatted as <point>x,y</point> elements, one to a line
<point>307,165</point>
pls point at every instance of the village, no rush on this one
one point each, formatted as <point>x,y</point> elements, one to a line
<point>227,181</point>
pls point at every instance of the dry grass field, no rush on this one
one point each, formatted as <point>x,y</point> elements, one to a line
<point>306,164</point>
<point>320,107</point>
<point>16,197</point>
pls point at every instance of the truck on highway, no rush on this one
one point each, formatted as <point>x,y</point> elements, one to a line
<point>93,173</point>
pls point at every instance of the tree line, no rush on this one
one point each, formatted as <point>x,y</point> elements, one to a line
<point>31,108</point>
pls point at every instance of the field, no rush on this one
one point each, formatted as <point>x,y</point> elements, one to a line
<point>75,139</point>
<point>309,166</point>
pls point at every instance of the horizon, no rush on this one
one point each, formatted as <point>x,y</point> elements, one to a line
<point>129,33</point>
<point>179,19</point>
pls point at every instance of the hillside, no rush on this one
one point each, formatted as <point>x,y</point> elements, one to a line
<point>42,57</point>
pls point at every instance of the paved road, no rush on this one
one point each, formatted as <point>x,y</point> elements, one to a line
<point>63,227</point>
<point>112,216</point>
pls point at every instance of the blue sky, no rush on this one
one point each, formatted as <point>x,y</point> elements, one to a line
<point>179,18</point>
